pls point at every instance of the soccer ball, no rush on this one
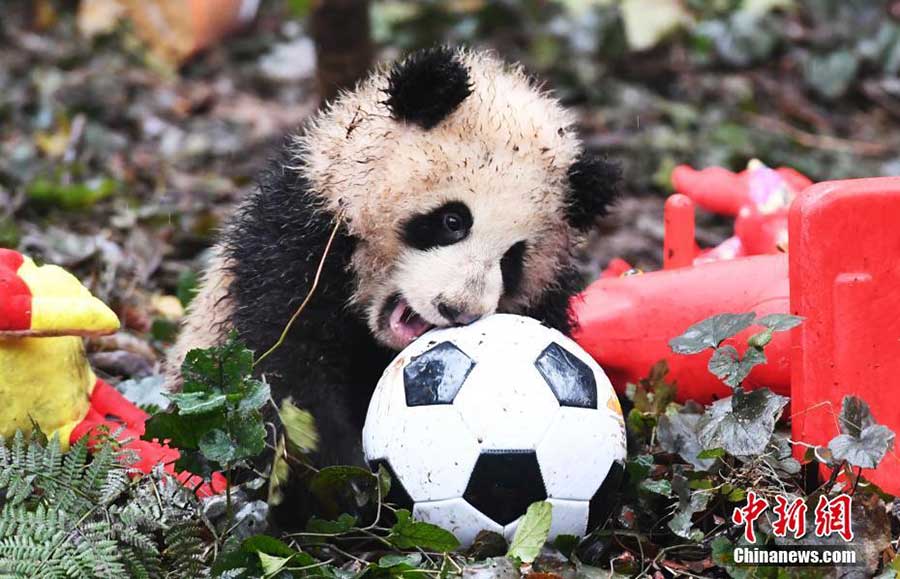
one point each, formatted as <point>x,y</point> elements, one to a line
<point>475,423</point>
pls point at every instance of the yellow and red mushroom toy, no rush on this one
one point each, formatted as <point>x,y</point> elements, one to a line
<point>45,378</point>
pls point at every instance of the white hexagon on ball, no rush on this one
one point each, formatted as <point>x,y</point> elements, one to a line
<point>477,422</point>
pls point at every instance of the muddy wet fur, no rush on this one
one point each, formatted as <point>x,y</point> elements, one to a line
<point>330,360</point>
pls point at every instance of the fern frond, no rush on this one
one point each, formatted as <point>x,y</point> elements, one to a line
<point>185,550</point>
<point>75,460</point>
<point>75,515</point>
<point>98,470</point>
<point>30,539</point>
<point>116,483</point>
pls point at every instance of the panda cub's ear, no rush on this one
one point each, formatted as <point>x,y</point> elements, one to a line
<point>593,188</point>
<point>427,86</point>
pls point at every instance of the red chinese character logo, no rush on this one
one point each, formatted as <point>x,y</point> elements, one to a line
<point>747,515</point>
<point>833,516</point>
<point>790,517</point>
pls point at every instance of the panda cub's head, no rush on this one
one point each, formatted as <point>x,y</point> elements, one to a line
<point>463,184</point>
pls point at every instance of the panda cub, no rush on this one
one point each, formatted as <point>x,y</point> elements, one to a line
<point>456,188</point>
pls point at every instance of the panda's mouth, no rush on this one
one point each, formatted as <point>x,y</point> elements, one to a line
<point>404,322</point>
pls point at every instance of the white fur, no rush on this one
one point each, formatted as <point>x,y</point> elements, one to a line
<point>504,152</point>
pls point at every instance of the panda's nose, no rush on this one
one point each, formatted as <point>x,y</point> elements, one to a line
<point>456,316</point>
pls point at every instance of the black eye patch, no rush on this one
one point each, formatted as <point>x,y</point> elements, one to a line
<point>512,266</point>
<point>448,224</point>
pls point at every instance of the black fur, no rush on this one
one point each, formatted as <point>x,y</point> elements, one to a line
<point>593,188</point>
<point>329,362</point>
<point>553,308</point>
<point>427,86</point>
<point>428,230</point>
<point>512,265</point>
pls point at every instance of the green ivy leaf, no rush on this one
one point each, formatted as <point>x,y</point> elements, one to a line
<point>689,503</point>
<point>195,462</point>
<point>188,284</point>
<point>384,481</point>
<point>218,369</point>
<point>409,534</point>
<point>280,475</point>
<point>411,561</point>
<point>331,476</point>
<point>299,9</point>
<point>217,446</point>
<point>272,565</point>
<point>659,487</point>
<point>163,330</point>
<point>299,427</point>
<point>831,74</point>
<point>780,322</point>
<point>274,555</point>
<point>712,453</point>
<point>779,455</point>
<point>532,532</point>
<point>723,555</point>
<point>855,416</point>
<point>640,424</point>
<point>254,396</point>
<point>181,431</point>
<point>217,411</point>
<point>741,424</point>
<point>237,563</point>
<point>269,545</point>
<point>71,195</point>
<point>566,544</point>
<point>862,442</point>
<point>342,524</point>
<point>652,395</point>
<point>866,450</point>
<point>249,434</point>
<point>638,467</point>
<point>678,433</point>
<point>246,439</point>
<point>197,402</point>
<point>727,365</point>
<point>710,332</point>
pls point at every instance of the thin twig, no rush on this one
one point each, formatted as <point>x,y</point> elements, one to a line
<point>856,482</point>
<point>311,566</point>
<point>312,290</point>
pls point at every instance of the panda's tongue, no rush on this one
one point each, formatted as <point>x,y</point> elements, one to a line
<point>405,323</point>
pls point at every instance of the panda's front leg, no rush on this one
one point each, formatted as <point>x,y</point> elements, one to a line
<point>339,443</point>
<point>338,426</point>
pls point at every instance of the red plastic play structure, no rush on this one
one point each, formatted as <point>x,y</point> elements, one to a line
<point>841,273</point>
<point>113,413</point>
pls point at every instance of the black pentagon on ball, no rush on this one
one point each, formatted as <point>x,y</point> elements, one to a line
<point>571,380</point>
<point>436,376</point>
<point>605,500</point>
<point>503,483</point>
<point>427,86</point>
<point>397,494</point>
